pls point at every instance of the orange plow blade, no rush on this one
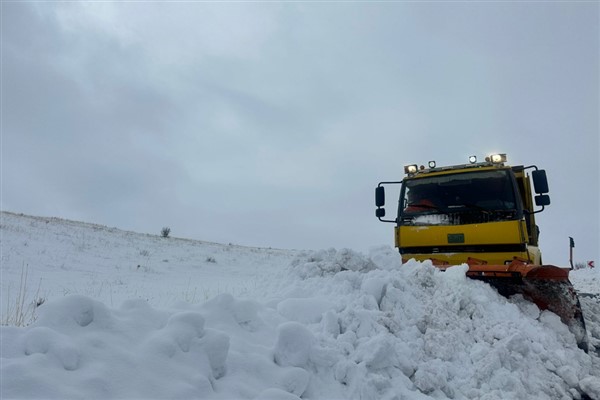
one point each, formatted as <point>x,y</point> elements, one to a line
<point>547,286</point>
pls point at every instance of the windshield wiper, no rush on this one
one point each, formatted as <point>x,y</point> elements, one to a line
<point>423,206</point>
<point>472,207</point>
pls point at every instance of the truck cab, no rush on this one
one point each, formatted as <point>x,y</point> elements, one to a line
<point>476,213</point>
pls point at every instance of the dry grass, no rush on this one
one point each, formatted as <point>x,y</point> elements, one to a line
<point>21,310</point>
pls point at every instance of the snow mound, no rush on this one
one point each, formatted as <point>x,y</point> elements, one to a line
<point>443,335</point>
<point>329,262</point>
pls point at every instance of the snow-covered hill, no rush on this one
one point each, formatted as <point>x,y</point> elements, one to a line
<point>126,315</point>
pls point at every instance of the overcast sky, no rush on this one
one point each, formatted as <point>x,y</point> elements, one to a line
<point>269,124</point>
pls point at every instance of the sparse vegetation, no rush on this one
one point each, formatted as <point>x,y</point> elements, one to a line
<point>210,259</point>
<point>189,296</point>
<point>21,311</point>
<point>165,232</point>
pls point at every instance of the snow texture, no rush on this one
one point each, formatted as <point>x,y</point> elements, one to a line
<point>272,324</point>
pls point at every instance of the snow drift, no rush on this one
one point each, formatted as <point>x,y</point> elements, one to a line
<point>331,324</point>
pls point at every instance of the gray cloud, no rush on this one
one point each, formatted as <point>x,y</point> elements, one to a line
<point>270,123</point>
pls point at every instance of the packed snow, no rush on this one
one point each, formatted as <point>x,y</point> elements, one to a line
<point>109,314</point>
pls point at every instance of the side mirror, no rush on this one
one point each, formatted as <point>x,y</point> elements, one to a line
<point>379,196</point>
<point>380,212</point>
<point>540,182</point>
<point>542,200</point>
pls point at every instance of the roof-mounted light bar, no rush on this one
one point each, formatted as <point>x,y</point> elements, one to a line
<point>498,158</point>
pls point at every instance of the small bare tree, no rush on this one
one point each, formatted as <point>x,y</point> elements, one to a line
<point>165,231</point>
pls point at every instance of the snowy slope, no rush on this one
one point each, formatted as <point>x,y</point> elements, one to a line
<point>127,315</point>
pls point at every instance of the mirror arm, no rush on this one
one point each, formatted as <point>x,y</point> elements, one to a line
<point>380,201</point>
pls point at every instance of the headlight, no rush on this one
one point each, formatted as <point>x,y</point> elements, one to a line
<point>473,159</point>
<point>431,164</point>
<point>411,169</point>
<point>497,158</point>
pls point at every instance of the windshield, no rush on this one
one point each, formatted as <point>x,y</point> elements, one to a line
<point>462,198</point>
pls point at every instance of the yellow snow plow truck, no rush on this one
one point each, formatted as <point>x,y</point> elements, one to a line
<point>483,214</point>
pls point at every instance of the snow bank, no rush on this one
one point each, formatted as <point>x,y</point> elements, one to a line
<point>414,328</point>
<point>336,325</point>
<point>586,280</point>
